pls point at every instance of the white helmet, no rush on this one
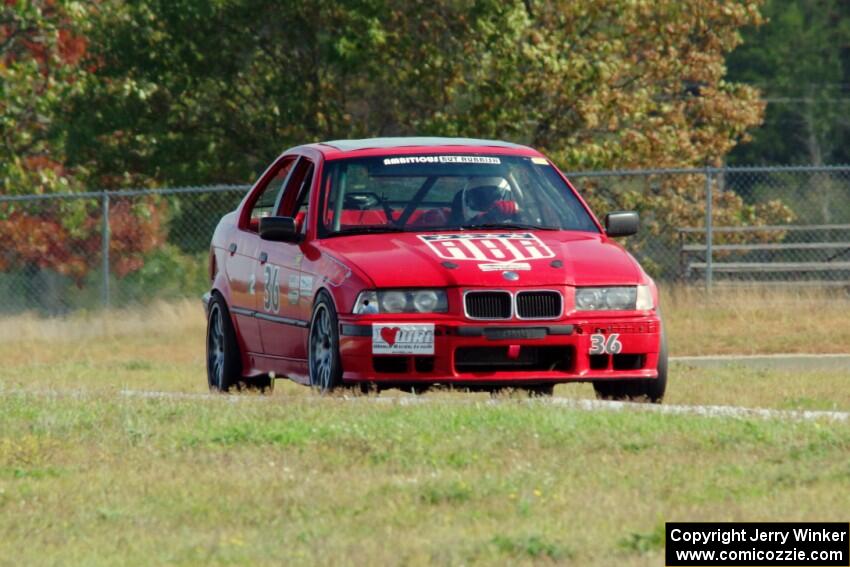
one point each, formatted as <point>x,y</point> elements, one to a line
<point>481,192</point>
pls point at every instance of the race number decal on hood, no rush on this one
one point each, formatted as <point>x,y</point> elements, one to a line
<point>492,252</point>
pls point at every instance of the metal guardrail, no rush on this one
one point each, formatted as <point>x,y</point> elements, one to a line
<point>829,262</point>
<point>766,228</point>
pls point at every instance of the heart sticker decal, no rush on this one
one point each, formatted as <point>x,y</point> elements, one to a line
<point>403,338</point>
<point>389,334</point>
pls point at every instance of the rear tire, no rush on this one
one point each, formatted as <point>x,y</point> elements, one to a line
<point>323,349</point>
<point>640,390</point>
<point>224,361</point>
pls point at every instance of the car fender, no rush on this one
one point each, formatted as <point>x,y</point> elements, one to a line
<point>224,232</point>
<point>220,284</point>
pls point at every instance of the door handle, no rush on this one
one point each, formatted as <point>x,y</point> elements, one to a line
<point>263,257</point>
<point>232,248</point>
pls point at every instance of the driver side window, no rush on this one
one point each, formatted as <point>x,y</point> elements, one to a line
<point>302,199</point>
<point>266,202</point>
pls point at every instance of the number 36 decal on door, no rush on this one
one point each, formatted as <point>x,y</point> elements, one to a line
<point>600,344</point>
<point>271,292</point>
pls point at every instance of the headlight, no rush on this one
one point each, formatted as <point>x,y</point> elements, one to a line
<point>426,301</point>
<point>401,301</point>
<point>392,301</point>
<point>613,298</point>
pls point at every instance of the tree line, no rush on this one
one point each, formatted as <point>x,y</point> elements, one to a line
<point>146,93</point>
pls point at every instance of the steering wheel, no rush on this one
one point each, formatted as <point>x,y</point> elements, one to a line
<point>365,200</point>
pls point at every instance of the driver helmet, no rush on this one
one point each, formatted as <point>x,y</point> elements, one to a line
<point>482,192</point>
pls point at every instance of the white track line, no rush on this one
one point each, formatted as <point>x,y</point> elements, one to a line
<point>571,403</point>
<point>706,411</point>
<point>579,404</point>
<point>743,357</point>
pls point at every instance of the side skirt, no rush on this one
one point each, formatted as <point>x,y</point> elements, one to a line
<point>294,369</point>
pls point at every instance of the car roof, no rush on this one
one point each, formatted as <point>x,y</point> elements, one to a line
<point>402,145</point>
<point>400,142</point>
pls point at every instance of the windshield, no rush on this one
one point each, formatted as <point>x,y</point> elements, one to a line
<point>447,192</point>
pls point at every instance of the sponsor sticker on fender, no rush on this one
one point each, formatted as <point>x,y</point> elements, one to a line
<point>403,338</point>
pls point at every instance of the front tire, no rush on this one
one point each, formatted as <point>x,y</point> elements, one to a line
<point>640,390</point>
<point>323,349</point>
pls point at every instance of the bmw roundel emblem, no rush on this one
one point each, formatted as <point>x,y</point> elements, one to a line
<point>510,276</point>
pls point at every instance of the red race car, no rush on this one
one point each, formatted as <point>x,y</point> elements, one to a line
<point>412,262</point>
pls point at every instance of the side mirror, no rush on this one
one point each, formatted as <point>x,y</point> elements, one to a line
<point>622,223</point>
<point>279,229</point>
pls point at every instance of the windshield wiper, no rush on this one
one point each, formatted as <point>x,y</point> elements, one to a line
<point>508,225</point>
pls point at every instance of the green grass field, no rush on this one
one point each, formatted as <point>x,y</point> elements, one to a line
<point>91,476</point>
<point>301,480</point>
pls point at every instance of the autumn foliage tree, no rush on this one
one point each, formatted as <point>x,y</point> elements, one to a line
<point>192,91</point>
<point>42,49</point>
<point>213,91</point>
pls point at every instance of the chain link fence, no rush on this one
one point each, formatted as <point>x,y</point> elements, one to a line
<point>713,226</point>
<point>778,226</point>
<point>110,248</point>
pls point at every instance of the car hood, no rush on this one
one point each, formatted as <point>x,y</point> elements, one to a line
<point>447,259</point>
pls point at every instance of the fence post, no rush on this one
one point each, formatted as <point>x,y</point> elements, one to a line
<point>709,229</point>
<point>104,246</point>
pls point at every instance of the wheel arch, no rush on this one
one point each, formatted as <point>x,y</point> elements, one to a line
<point>334,300</point>
<point>219,283</point>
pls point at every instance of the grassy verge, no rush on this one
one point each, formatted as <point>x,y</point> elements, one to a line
<point>326,481</point>
<point>736,321</point>
<point>292,478</point>
<point>161,348</point>
<point>756,321</point>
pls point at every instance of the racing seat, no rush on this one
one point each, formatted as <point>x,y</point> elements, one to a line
<point>349,218</point>
<point>425,218</point>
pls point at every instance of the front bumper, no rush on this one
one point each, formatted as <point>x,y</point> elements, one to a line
<point>526,352</point>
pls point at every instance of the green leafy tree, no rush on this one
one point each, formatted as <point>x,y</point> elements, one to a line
<point>800,61</point>
<point>189,91</point>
